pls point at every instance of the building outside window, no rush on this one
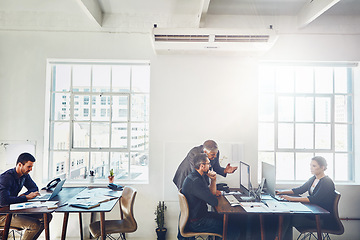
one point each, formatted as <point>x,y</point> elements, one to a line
<point>104,140</point>
<point>305,111</point>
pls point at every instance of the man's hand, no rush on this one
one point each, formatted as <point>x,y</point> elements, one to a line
<point>32,195</point>
<point>218,193</point>
<point>211,174</point>
<point>229,169</point>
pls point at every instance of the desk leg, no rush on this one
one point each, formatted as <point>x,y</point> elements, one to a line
<point>7,226</point>
<point>65,222</point>
<point>81,227</point>
<point>102,225</point>
<point>262,227</point>
<point>225,225</point>
<point>46,226</point>
<point>281,220</point>
<point>318,227</point>
<point>92,219</point>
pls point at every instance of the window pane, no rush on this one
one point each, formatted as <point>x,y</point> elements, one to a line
<point>284,166</point>
<point>120,108</point>
<point>81,78</point>
<point>286,135</point>
<point>61,135</point>
<point>266,136</point>
<point>342,105</point>
<point>101,78</point>
<point>324,80</point>
<point>140,77</point>
<point>119,135</point>
<point>61,81</point>
<point>59,163</point>
<point>100,109</point>
<point>303,165</point>
<point>120,163</point>
<point>61,106</point>
<point>81,135</point>
<point>322,109</point>
<point>139,136</point>
<point>304,109</point>
<point>285,80</point>
<point>79,168</point>
<point>139,107</point>
<point>304,80</point>
<point>266,107</point>
<point>322,136</point>
<point>341,166</point>
<point>100,164</point>
<point>341,83</point>
<point>100,135</point>
<point>304,136</point>
<point>138,166</point>
<point>341,143</point>
<point>121,78</point>
<point>286,109</point>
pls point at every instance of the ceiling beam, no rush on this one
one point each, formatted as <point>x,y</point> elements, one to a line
<point>313,9</point>
<point>203,13</point>
<point>92,10</point>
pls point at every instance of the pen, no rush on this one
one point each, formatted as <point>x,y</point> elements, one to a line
<point>64,204</point>
<point>265,203</point>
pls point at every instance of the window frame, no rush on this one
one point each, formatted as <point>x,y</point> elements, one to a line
<point>314,151</point>
<point>78,96</point>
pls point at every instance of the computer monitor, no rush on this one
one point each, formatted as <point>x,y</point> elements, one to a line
<point>245,184</point>
<point>269,174</point>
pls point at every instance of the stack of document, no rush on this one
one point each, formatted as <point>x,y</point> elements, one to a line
<point>37,204</point>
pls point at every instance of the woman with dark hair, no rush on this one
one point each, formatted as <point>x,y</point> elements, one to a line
<point>321,190</point>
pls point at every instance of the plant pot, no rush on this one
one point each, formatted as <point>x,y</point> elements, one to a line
<point>161,233</point>
<point>111,179</point>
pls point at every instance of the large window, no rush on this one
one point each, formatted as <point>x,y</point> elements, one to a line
<point>99,120</point>
<point>306,111</point>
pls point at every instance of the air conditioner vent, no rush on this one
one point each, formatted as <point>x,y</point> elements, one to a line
<point>197,40</point>
<point>242,38</point>
<point>181,38</point>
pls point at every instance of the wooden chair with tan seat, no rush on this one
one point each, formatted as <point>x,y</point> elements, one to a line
<point>184,215</point>
<point>336,228</point>
<point>126,224</point>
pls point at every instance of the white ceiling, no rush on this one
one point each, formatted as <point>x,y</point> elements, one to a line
<point>141,15</point>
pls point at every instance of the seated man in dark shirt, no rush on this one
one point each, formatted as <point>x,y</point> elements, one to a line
<point>199,194</point>
<point>11,183</point>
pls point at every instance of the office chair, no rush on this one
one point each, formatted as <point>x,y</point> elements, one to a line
<point>337,228</point>
<point>184,215</point>
<point>126,224</point>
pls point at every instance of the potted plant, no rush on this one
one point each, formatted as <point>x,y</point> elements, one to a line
<point>160,220</point>
<point>111,176</point>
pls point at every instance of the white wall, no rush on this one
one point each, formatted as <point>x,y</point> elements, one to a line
<point>193,98</point>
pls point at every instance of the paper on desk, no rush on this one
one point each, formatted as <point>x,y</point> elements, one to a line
<point>25,205</point>
<point>254,207</point>
<point>297,207</point>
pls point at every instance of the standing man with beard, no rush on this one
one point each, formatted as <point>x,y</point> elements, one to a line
<point>210,148</point>
<point>11,183</point>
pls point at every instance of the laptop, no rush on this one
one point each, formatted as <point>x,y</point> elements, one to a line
<point>49,196</point>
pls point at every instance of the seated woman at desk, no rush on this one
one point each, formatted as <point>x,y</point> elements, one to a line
<point>321,191</point>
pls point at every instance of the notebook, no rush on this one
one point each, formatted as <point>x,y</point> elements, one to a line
<point>49,196</point>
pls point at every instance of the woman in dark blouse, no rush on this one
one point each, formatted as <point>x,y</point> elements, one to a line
<point>321,190</point>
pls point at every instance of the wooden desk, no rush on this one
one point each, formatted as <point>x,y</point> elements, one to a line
<point>65,195</point>
<point>225,209</point>
<point>104,207</point>
<point>43,210</point>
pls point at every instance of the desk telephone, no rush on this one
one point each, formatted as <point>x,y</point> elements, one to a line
<point>222,187</point>
<point>51,185</point>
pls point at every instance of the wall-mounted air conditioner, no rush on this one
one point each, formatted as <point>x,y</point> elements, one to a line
<point>207,39</point>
